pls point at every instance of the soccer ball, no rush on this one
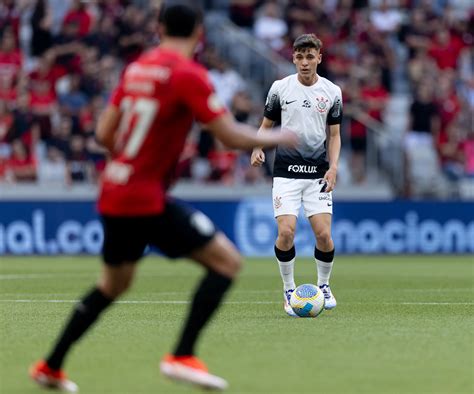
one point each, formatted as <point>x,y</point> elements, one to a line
<point>307,300</point>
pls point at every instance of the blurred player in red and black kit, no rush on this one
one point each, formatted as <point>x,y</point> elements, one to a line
<point>144,127</point>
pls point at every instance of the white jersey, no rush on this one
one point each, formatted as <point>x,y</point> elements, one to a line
<point>306,110</point>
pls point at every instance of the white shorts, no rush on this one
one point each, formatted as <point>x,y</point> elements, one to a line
<point>289,193</point>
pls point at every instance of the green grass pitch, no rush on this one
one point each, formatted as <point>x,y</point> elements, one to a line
<point>402,325</point>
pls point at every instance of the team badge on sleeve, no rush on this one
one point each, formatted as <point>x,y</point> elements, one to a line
<point>271,101</point>
<point>337,108</point>
<point>277,202</point>
<point>213,103</point>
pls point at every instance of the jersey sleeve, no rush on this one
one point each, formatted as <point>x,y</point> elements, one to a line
<point>198,95</point>
<point>335,113</point>
<point>272,109</point>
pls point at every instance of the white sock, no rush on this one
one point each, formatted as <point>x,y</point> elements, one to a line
<point>324,272</point>
<point>286,272</point>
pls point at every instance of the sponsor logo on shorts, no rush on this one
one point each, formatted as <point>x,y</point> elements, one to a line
<point>326,197</point>
<point>277,202</point>
<point>202,223</point>
<point>303,168</point>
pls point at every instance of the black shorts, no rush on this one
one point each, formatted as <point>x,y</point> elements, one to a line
<point>176,232</point>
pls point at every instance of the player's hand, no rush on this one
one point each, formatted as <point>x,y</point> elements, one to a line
<point>330,179</point>
<point>257,158</point>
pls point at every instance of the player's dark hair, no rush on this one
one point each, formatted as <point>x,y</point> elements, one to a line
<point>307,41</point>
<point>180,17</point>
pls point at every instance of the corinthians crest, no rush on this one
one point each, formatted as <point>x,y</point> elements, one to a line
<point>277,202</point>
<point>322,104</point>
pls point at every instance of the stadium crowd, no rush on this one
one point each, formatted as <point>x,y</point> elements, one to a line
<point>59,60</point>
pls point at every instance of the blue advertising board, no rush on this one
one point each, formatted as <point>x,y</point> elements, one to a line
<point>366,227</point>
<point>69,227</point>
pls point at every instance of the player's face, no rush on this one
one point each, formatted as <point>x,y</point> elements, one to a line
<point>306,61</point>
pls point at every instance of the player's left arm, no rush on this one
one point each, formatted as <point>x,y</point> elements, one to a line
<point>334,150</point>
<point>109,120</point>
<point>334,144</point>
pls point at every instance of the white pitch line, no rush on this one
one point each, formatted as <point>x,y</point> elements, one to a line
<point>226,302</point>
<point>434,303</point>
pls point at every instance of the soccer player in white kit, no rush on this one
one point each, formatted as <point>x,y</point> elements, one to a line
<point>305,103</point>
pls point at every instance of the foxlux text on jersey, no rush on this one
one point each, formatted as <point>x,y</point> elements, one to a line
<point>303,168</point>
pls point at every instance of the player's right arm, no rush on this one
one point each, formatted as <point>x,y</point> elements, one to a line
<point>258,155</point>
<point>240,136</point>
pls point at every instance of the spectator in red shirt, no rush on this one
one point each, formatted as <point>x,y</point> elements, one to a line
<point>11,61</point>
<point>42,84</point>
<point>2,169</point>
<point>374,95</point>
<point>450,149</point>
<point>366,105</point>
<point>79,16</point>
<point>447,99</point>
<point>445,49</point>
<point>21,166</point>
